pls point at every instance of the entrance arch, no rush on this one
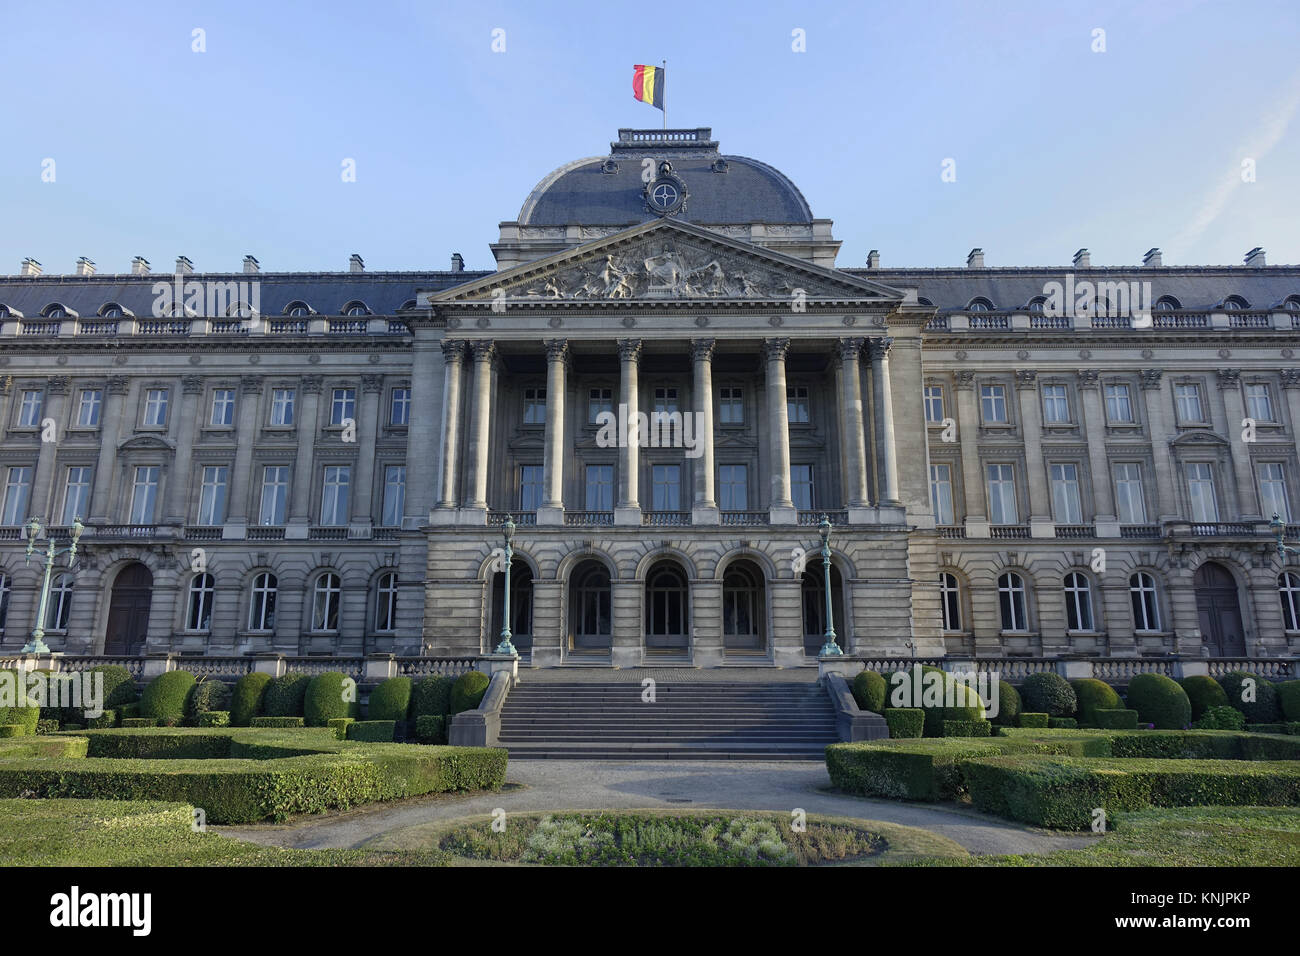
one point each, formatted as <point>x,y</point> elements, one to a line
<point>128,611</point>
<point>667,608</point>
<point>1219,611</point>
<point>591,619</point>
<point>521,607</point>
<point>744,607</point>
<point>814,607</point>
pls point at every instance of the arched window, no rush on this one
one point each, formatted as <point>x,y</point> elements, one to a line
<point>55,311</point>
<point>742,602</point>
<point>4,600</point>
<point>386,602</point>
<point>326,597</point>
<point>1011,600</point>
<point>814,607</point>
<point>261,610</point>
<point>1078,602</point>
<point>56,612</point>
<point>667,599</point>
<point>407,305</point>
<point>979,304</point>
<point>950,597</point>
<point>297,309</point>
<point>1037,302</point>
<point>1292,303</point>
<point>1167,303</point>
<point>589,606</point>
<point>355,308</point>
<point>1234,303</point>
<point>1288,586</point>
<point>111,311</point>
<point>198,617</point>
<point>1146,603</point>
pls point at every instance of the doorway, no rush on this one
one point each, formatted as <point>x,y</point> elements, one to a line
<point>128,612</point>
<point>1219,611</point>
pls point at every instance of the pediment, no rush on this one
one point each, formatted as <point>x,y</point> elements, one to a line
<point>1201,437</point>
<point>666,259</point>
<point>145,443</point>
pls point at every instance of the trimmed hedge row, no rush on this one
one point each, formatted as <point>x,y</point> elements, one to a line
<point>1116,719</point>
<point>905,722</point>
<point>278,722</point>
<point>374,731</point>
<point>967,728</point>
<point>431,728</point>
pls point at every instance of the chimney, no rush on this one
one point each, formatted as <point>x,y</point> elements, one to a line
<point>873,259</point>
<point>183,266</point>
<point>30,268</point>
<point>356,263</point>
<point>85,267</point>
<point>975,259</point>
<point>139,266</point>
<point>1082,260</point>
<point>1152,259</point>
<point>250,266</point>
<point>457,262</point>
<point>1255,257</point>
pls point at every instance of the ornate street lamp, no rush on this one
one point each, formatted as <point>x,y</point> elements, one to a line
<point>1278,527</point>
<point>506,647</point>
<point>37,644</point>
<point>830,648</point>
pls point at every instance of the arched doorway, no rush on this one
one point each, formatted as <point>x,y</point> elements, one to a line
<point>521,608</point>
<point>128,611</point>
<point>744,607</point>
<point>1219,611</point>
<point>814,608</point>
<point>591,618</point>
<point>667,609</point>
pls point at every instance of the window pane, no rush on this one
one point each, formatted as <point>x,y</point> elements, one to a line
<point>394,495</point>
<point>801,486</point>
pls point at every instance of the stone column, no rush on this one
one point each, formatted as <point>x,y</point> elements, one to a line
<point>1041,521</point>
<point>1094,425</point>
<point>1247,496</point>
<point>557,357</point>
<point>480,425</point>
<point>855,451</point>
<point>781,508</point>
<point>1156,398</point>
<point>972,475</point>
<point>110,428</point>
<point>250,393</point>
<point>43,496</point>
<point>1291,389</point>
<point>306,417</point>
<point>705,510</point>
<point>882,397</point>
<point>424,461</point>
<point>367,425</point>
<point>627,509</point>
<point>453,354</point>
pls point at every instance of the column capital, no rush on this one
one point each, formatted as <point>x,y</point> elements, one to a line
<point>775,349</point>
<point>702,349</point>
<point>312,384</point>
<point>879,347</point>
<point>192,384</point>
<point>250,384</point>
<point>1151,378</point>
<point>1291,378</point>
<point>117,385</point>
<point>372,383</point>
<point>849,348</point>
<point>1026,378</point>
<point>557,350</point>
<point>1087,377</point>
<point>964,378</point>
<point>1228,378</point>
<point>629,350</point>
<point>484,349</point>
<point>453,351</point>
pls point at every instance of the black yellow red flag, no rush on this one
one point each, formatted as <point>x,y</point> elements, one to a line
<point>648,85</point>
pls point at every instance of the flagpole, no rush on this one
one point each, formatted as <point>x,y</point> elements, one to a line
<point>665,109</point>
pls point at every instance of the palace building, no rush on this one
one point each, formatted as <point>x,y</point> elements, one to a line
<point>1014,461</point>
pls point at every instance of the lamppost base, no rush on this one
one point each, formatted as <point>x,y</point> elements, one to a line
<point>35,647</point>
<point>830,649</point>
<point>505,647</point>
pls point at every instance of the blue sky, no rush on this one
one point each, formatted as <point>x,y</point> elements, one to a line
<point>160,151</point>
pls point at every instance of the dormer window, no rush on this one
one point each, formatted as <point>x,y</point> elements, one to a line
<point>1234,303</point>
<point>297,310</point>
<point>55,311</point>
<point>979,304</point>
<point>356,309</point>
<point>1036,303</point>
<point>1292,303</point>
<point>1167,303</point>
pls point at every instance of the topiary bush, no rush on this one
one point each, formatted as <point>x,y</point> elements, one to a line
<point>374,731</point>
<point>139,721</point>
<point>208,695</point>
<point>431,728</point>
<point>432,696</point>
<point>329,695</point>
<point>1160,701</point>
<point>119,686</point>
<point>1048,693</point>
<point>246,698</point>
<point>214,718</point>
<point>1009,704</point>
<point>1288,698</point>
<point>870,690</point>
<point>104,721</point>
<point>1029,719</point>
<point>1117,719</point>
<point>905,721</point>
<point>902,690</point>
<point>1264,709</point>
<point>1062,723</point>
<point>1093,695</point>
<point>967,728</point>
<point>1204,692</point>
<point>283,697</point>
<point>468,691</point>
<point>13,686</point>
<point>276,722</point>
<point>391,700</point>
<point>1221,718</point>
<point>167,696</point>
<point>13,730</point>
<point>340,726</point>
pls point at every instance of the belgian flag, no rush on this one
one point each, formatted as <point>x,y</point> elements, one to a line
<point>648,85</point>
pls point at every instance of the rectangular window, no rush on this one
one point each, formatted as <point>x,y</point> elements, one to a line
<point>144,494</point>
<point>1188,398</point>
<point>399,408</point>
<point>941,494</point>
<point>733,487</point>
<point>600,488</point>
<point>665,419</point>
<point>1002,494</point>
<point>731,405</point>
<point>1129,499</point>
<point>18,487</point>
<point>223,407</point>
<point>530,487</point>
<point>1200,491</point>
<point>534,406</point>
<point>212,495</point>
<point>1119,408</point>
<point>92,399</point>
<point>1259,404</point>
<point>1056,405</point>
<point>334,495</point>
<point>666,487</point>
<point>394,495</point>
<point>599,401</point>
<point>76,494</point>
<point>29,412</point>
<point>343,406</point>
<point>275,495</point>
<point>1272,491</point>
<point>155,407</point>
<point>801,487</point>
<point>993,403</point>
<point>934,404</point>
<point>1066,506</point>
<point>796,405</point>
<point>282,406</point>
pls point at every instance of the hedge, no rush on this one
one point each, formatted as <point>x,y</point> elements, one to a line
<point>283,696</point>
<point>1048,693</point>
<point>905,722</point>
<point>25,746</point>
<point>1264,709</point>
<point>14,684</point>
<point>1291,727</point>
<point>431,695</point>
<point>140,722</point>
<point>167,695</point>
<point>279,722</point>
<point>1118,719</point>
<point>468,691</point>
<point>1288,698</point>
<point>1204,692</point>
<point>327,697</point>
<point>1009,704</point>
<point>1062,723</point>
<point>14,730</point>
<point>128,710</point>
<point>1093,695</point>
<point>969,706</point>
<point>1033,719</point>
<point>214,718</point>
<point>47,726</point>
<point>107,719</point>
<point>119,686</point>
<point>1221,718</point>
<point>207,695</point>
<point>246,698</point>
<point>966,728</point>
<point>374,731</point>
<point>1159,700</point>
<point>340,726</point>
<point>870,690</point>
<point>431,728</point>
<point>391,700</point>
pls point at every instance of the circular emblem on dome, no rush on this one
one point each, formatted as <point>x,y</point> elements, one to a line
<point>666,193</point>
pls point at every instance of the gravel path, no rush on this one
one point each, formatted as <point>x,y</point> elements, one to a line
<point>612,784</point>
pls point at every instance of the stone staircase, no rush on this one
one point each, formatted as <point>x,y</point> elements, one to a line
<point>696,720</point>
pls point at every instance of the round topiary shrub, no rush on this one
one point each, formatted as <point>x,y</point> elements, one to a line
<point>902,691</point>
<point>1009,705</point>
<point>1221,718</point>
<point>119,687</point>
<point>1288,698</point>
<point>869,690</point>
<point>246,699</point>
<point>1093,695</point>
<point>431,696</point>
<point>1204,692</point>
<point>468,691</point>
<point>13,686</point>
<point>1160,701</point>
<point>330,695</point>
<point>283,697</point>
<point>391,700</point>
<point>1048,693</point>
<point>208,695</point>
<point>1264,708</point>
<point>166,697</point>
